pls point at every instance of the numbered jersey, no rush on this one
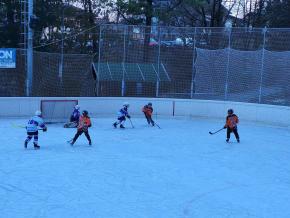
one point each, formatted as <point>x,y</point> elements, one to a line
<point>34,123</point>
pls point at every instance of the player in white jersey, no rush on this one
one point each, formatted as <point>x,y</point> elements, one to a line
<point>32,128</point>
<point>122,114</point>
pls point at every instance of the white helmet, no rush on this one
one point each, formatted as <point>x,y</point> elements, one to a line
<point>77,107</point>
<point>126,104</point>
<point>37,113</point>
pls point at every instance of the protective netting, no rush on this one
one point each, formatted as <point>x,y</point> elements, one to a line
<point>236,64</point>
<point>210,79</point>
<point>126,67</point>
<point>231,75</point>
<point>177,55</point>
<point>252,76</point>
<point>276,78</point>
<point>244,77</point>
<point>72,78</point>
<point>244,39</point>
<point>277,40</point>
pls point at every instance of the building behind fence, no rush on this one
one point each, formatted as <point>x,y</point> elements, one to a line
<point>236,64</point>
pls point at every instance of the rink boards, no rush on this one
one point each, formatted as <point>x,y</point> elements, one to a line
<point>108,106</point>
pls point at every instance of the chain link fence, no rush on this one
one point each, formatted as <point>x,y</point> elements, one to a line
<point>229,64</point>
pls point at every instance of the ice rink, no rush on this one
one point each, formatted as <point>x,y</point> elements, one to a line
<point>179,171</point>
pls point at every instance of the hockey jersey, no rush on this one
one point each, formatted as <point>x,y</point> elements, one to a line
<point>84,122</point>
<point>148,110</point>
<point>123,112</point>
<point>34,123</point>
<point>232,121</point>
<point>75,116</point>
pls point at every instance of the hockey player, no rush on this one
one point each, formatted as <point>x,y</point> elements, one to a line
<point>122,114</point>
<point>32,129</point>
<point>232,121</point>
<point>83,126</point>
<point>148,110</point>
<point>74,118</point>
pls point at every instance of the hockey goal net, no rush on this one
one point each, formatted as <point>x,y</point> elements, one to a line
<point>57,111</point>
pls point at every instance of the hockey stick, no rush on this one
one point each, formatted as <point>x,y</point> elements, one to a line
<point>131,123</point>
<point>17,126</point>
<point>20,126</point>
<point>69,141</point>
<point>212,133</point>
<point>157,125</point>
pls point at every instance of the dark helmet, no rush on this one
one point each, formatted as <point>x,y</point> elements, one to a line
<point>85,113</point>
<point>150,104</point>
<point>126,104</point>
<point>230,111</point>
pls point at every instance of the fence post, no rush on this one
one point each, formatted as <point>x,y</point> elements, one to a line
<point>158,62</point>
<point>123,63</point>
<point>193,64</point>
<point>262,66</point>
<point>60,68</point>
<point>29,66</point>
<point>99,61</point>
<point>229,31</point>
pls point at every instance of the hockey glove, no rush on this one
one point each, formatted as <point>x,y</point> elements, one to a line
<point>44,129</point>
<point>129,116</point>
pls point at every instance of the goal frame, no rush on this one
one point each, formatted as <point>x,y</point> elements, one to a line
<point>42,101</point>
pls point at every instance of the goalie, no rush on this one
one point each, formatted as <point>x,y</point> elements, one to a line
<point>74,118</point>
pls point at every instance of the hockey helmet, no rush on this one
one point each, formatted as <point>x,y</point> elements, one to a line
<point>230,111</point>
<point>85,113</point>
<point>77,107</point>
<point>126,104</point>
<point>38,113</point>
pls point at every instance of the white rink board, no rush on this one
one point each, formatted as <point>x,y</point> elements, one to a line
<point>109,106</point>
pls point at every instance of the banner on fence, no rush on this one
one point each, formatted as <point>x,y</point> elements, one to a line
<point>7,58</point>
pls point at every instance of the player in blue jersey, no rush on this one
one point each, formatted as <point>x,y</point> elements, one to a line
<point>32,128</point>
<point>122,114</point>
<point>74,118</point>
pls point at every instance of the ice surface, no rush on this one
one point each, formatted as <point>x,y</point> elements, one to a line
<point>179,171</point>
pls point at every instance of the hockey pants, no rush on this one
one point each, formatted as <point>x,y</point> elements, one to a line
<point>34,135</point>
<point>149,119</point>
<point>79,132</point>
<point>234,130</point>
<point>121,120</point>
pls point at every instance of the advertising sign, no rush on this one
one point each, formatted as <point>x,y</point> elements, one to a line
<point>7,58</point>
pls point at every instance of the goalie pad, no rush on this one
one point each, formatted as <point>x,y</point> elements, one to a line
<point>70,125</point>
